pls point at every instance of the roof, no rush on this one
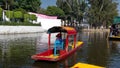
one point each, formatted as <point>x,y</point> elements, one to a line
<point>68,30</point>
<point>42,16</point>
<point>116,20</point>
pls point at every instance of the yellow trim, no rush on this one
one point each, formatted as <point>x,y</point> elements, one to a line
<point>84,65</point>
<point>79,43</point>
<point>68,28</point>
<point>115,37</point>
<point>50,56</point>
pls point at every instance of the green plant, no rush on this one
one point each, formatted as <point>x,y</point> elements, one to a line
<point>33,17</point>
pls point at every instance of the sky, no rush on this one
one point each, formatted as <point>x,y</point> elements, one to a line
<point>46,3</point>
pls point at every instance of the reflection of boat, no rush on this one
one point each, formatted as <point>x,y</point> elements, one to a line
<point>84,65</point>
<point>42,64</point>
<point>50,54</point>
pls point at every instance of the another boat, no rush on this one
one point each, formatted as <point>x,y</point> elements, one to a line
<point>114,38</point>
<point>65,49</point>
<point>114,33</point>
<point>84,65</point>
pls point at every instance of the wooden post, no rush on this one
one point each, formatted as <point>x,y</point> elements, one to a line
<point>74,41</point>
<point>66,45</point>
<point>49,41</point>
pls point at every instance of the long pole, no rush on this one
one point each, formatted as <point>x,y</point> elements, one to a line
<point>49,41</point>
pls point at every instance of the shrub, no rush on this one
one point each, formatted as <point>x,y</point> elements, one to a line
<point>1,13</point>
<point>26,17</point>
<point>33,17</point>
<point>9,14</point>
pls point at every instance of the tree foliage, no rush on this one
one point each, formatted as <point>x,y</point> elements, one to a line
<point>101,12</point>
<point>9,14</point>
<point>73,8</point>
<point>26,17</point>
<point>1,13</point>
<point>18,14</point>
<point>28,5</point>
<point>32,17</point>
<point>7,3</point>
<point>53,10</point>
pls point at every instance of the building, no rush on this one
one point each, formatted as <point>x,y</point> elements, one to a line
<point>46,21</point>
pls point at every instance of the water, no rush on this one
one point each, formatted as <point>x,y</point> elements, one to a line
<point>16,51</point>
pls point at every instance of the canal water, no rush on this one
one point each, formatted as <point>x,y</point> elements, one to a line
<point>16,51</point>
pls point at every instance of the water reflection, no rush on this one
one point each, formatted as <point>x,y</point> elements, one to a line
<point>16,51</point>
<point>114,60</point>
<point>45,65</point>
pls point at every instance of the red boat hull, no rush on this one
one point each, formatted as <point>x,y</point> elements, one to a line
<point>46,56</point>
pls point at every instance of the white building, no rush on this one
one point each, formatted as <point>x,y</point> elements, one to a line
<point>47,21</point>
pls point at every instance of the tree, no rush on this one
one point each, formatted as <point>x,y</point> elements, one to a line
<point>55,11</point>
<point>101,12</point>
<point>8,3</point>
<point>29,5</point>
<point>74,9</point>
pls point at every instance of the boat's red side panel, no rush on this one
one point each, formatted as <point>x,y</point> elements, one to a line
<point>63,54</point>
<point>68,53</point>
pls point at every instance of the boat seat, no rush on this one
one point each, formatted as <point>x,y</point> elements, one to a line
<point>58,45</point>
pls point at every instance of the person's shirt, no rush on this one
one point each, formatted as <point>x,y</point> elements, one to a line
<point>59,39</point>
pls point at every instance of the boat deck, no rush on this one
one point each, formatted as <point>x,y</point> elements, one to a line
<point>84,65</point>
<point>49,54</point>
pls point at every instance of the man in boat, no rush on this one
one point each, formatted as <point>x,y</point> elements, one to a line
<point>58,45</point>
<point>114,30</point>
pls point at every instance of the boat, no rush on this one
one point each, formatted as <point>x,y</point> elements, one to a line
<point>84,65</point>
<point>114,33</point>
<point>117,38</point>
<point>57,53</point>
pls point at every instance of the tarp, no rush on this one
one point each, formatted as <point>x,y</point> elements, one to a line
<point>116,20</point>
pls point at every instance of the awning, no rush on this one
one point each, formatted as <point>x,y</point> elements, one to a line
<point>68,30</point>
